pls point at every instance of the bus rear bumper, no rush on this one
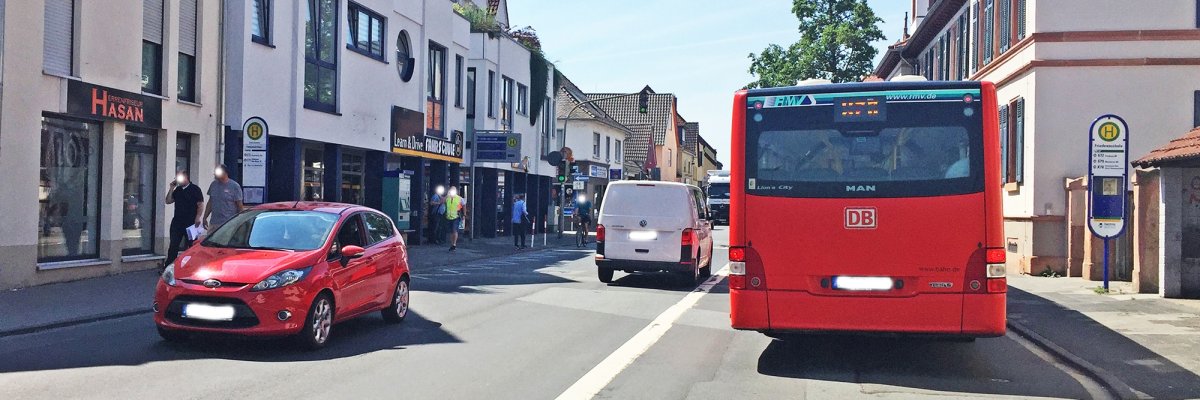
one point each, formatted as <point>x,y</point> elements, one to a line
<point>949,314</point>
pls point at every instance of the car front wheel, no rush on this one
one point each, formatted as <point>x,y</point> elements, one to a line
<point>396,312</point>
<point>318,325</point>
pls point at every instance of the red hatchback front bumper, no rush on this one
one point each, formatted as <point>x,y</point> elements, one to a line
<point>255,313</point>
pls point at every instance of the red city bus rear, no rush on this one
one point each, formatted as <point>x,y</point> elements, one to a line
<point>867,207</point>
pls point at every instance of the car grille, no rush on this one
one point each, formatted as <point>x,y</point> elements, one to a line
<point>243,316</point>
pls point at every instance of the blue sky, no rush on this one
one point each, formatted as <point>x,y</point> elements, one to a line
<point>695,49</point>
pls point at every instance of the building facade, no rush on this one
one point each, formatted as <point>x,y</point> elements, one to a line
<point>1057,66</point>
<point>663,157</point>
<point>100,104</point>
<point>596,139</point>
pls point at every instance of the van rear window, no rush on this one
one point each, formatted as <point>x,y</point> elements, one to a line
<point>644,200</point>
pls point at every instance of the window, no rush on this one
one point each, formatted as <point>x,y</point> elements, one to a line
<point>379,227</point>
<point>522,99</point>
<point>58,44</point>
<point>506,104</point>
<point>435,92</point>
<point>1005,22</point>
<point>989,31</point>
<point>1012,141</point>
<point>975,47</point>
<point>366,32</point>
<point>1020,13</point>
<point>152,46</point>
<point>619,150</point>
<point>183,152</point>
<point>596,144</point>
<point>352,178</point>
<point>458,81</point>
<point>69,191</point>
<point>313,174</point>
<point>140,195</point>
<point>350,234</point>
<point>405,64</point>
<point>188,22</point>
<point>260,23</point>
<point>491,94</point>
<point>1196,108</point>
<point>471,93</point>
<point>275,229</point>
<point>320,55</point>
<point>607,148</point>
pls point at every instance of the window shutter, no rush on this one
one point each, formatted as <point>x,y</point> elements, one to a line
<point>1003,144</point>
<point>188,15</point>
<point>152,21</point>
<point>59,41</point>
<point>1005,24</point>
<point>1021,19</point>
<point>1019,145</point>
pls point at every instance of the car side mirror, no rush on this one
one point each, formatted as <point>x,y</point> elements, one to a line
<point>352,251</point>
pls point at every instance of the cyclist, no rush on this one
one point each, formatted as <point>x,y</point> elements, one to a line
<point>583,217</point>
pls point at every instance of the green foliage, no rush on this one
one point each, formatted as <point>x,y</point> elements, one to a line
<point>835,44</point>
<point>527,37</point>
<point>539,74</point>
<point>1049,273</point>
<point>481,19</point>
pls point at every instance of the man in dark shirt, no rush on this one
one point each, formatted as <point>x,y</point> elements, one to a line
<point>189,205</point>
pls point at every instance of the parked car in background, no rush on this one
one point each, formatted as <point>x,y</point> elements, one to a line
<point>286,269</point>
<point>651,226</point>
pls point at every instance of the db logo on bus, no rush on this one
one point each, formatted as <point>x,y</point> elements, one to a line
<point>860,218</point>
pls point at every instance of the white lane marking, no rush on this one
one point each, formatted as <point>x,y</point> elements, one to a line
<point>603,373</point>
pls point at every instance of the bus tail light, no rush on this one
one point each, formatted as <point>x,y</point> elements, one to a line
<point>745,274</point>
<point>996,270</point>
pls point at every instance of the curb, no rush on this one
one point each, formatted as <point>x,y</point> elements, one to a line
<point>73,322</point>
<point>1115,386</point>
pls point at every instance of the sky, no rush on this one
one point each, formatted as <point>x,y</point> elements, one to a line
<point>696,49</point>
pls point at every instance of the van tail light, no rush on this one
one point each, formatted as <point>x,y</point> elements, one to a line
<point>989,276</point>
<point>744,273</point>
<point>599,241</point>
<point>689,238</point>
<point>686,242</point>
<point>599,233</point>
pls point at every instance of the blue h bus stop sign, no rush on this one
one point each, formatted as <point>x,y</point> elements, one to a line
<point>1108,177</point>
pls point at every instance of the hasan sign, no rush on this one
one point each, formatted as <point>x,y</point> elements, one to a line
<point>94,101</point>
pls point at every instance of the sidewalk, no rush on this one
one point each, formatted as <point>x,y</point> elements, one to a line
<point>1148,346</point>
<point>71,303</point>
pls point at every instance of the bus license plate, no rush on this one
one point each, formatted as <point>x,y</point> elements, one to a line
<point>862,283</point>
<point>208,312</point>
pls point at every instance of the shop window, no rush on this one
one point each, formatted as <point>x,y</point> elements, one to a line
<point>69,191</point>
<point>260,23</point>
<point>320,55</point>
<point>435,92</point>
<point>152,46</point>
<point>314,174</point>
<point>188,22</point>
<point>367,29</point>
<point>352,178</point>
<point>138,199</point>
<point>58,42</point>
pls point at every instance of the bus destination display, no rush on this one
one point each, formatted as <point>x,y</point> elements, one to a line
<point>859,109</point>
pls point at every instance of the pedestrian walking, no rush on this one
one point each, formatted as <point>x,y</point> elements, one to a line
<point>520,221</point>
<point>224,199</point>
<point>437,204</point>
<point>189,206</point>
<point>454,207</point>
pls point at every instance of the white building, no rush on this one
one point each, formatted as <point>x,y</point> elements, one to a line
<point>596,139</point>
<point>100,103</point>
<point>1058,65</point>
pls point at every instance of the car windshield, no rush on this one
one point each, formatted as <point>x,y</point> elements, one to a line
<point>718,190</point>
<point>274,230</point>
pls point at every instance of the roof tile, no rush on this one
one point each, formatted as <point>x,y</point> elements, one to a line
<point>1182,149</point>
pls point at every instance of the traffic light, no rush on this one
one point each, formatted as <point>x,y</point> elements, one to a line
<point>562,171</point>
<point>644,100</point>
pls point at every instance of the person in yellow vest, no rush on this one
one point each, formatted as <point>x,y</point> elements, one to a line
<point>454,213</point>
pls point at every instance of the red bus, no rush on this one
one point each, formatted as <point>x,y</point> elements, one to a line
<point>867,207</point>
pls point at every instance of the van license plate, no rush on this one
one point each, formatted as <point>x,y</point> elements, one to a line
<point>643,235</point>
<point>862,283</point>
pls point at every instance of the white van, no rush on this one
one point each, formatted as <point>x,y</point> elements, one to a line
<point>651,226</point>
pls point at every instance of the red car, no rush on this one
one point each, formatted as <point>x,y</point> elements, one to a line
<point>281,269</point>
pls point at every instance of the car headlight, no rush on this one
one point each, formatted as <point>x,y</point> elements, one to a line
<point>281,279</point>
<point>168,275</point>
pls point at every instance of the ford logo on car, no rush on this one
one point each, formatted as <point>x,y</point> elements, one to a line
<point>212,283</point>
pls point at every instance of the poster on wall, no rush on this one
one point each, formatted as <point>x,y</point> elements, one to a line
<point>409,138</point>
<point>254,160</point>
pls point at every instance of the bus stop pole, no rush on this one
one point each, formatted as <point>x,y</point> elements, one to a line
<point>1105,265</point>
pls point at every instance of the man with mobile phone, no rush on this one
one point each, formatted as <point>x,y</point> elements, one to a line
<point>189,204</point>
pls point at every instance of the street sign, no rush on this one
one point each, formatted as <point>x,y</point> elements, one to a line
<point>497,146</point>
<point>597,171</point>
<point>579,177</point>
<point>254,160</point>
<point>578,185</point>
<point>1108,174</point>
<point>569,210</point>
<point>1108,171</point>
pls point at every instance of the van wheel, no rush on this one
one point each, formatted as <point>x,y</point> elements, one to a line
<point>605,275</point>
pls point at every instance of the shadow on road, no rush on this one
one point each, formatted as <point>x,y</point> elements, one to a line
<point>654,280</point>
<point>132,341</point>
<point>516,269</point>
<point>1134,364</point>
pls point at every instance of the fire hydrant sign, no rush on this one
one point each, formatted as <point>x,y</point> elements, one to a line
<point>1108,173</point>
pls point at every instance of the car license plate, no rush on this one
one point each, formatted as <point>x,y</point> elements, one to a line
<point>208,312</point>
<point>643,235</point>
<point>862,283</point>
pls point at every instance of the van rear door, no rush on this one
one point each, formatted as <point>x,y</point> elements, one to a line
<point>645,221</point>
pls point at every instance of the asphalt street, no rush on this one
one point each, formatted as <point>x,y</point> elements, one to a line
<point>535,325</point>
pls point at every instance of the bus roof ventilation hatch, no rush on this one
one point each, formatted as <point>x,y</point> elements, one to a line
<point>909,78</point>
<point>813,81</point>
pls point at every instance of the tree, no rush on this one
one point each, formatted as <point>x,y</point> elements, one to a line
<point>835,44</point>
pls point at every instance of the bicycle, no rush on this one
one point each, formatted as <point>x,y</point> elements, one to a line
<point>581,232</point>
